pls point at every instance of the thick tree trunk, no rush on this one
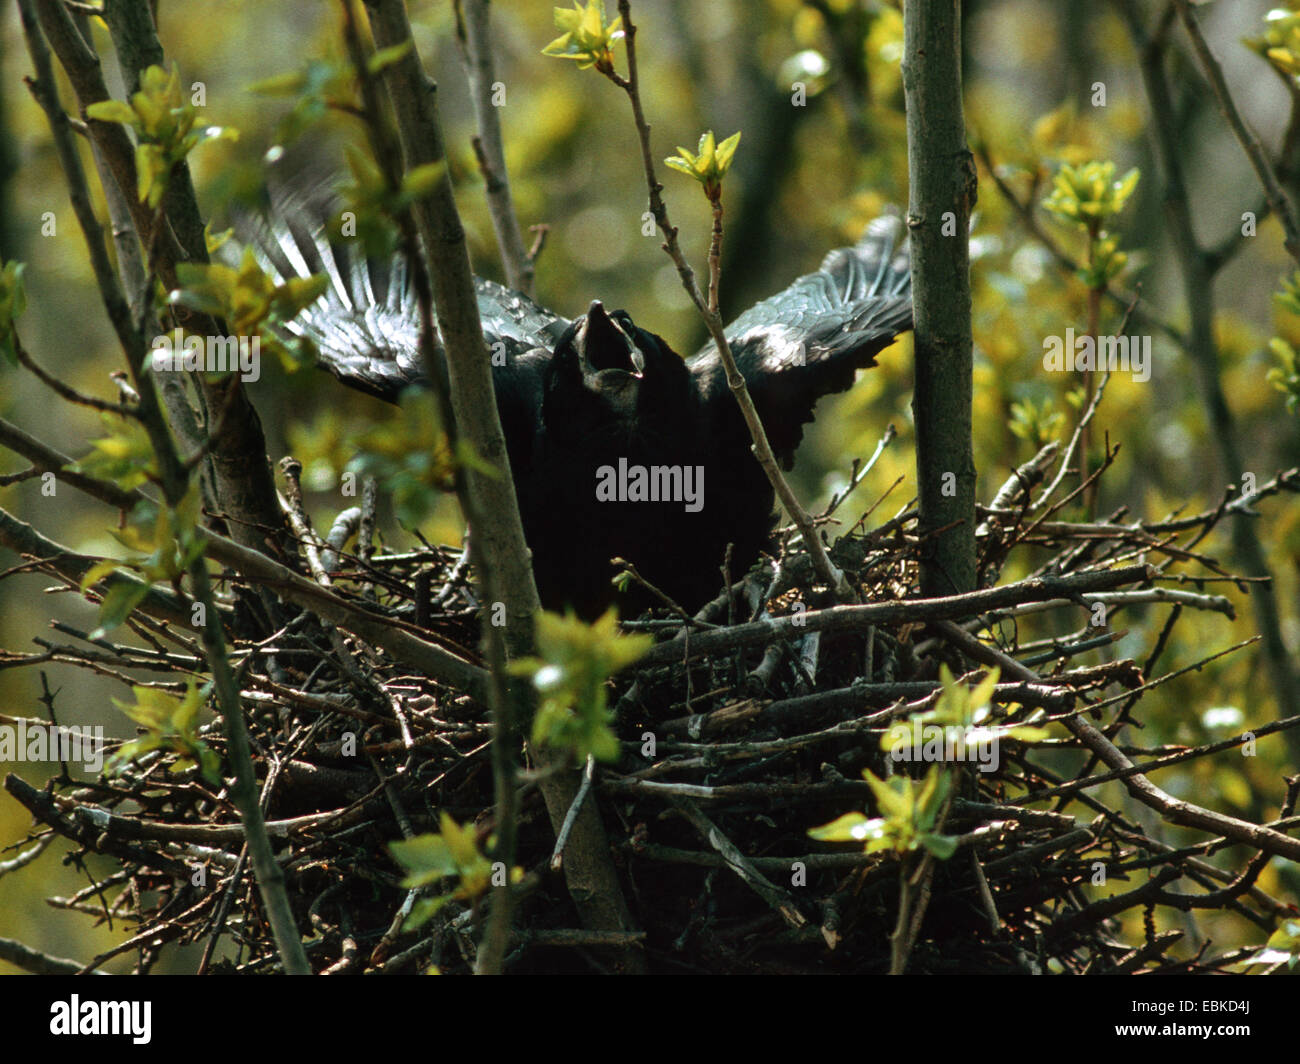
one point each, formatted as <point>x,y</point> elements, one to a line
<point>942,195</point>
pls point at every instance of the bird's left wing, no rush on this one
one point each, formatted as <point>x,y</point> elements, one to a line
<point>809,340</point>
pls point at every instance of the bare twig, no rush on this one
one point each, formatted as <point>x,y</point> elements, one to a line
<point>826,569</point>
<point>474,35</point>
<point>1175,810</point>
<point>1278,202</point>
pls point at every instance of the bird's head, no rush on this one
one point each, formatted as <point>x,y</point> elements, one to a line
<point>606,369</point>
<point>606,347</point>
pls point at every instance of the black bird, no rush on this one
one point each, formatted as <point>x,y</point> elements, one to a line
<point>618,446</point>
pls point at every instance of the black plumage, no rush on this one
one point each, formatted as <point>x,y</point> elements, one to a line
<point>586,403</point>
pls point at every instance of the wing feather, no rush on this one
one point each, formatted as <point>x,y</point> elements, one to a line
<point>810,339</point>
<point>366,324</point>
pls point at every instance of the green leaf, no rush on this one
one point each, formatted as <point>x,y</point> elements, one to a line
<point>427,859</point>
<point>281,84</point>
<point>453,852</point>
<point>170,724</point>
<point>152,170</point>
<point>573,665</point>
<point>419,182</point>
<point>587,38</point>
<point>981,694</point>
<point>709,163</point>
<point>1280,43</point>
<point>941,846</point>
<point>894,795</point>
<point>851,827</point>
<point>186,711</point>
<point>424,910</point>
<point>209,765</point>
<point>386,57</point>
<point>117,604</point>
<point>111,111</point>
<point>726,151</point>
<point>909,813</point>
<point>211,133</point>
<point>98,571</point>
<point>129,752</point>
<point>1036,424</point>
<point>13,292</point>
<point>124,456</point>
<point>1287,936</point>
<point>1088,195</point>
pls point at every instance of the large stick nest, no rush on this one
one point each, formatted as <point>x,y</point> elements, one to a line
<point>754,742</point>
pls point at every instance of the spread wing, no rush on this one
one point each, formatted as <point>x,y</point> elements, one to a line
<point>809,340</point>
<point>366,326</point>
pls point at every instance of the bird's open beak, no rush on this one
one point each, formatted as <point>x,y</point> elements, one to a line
<point>606,345</point>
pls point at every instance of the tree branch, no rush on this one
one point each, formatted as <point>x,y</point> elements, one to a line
<point>1278,202</point>
<point>474,36</point>
<point>938,219</point>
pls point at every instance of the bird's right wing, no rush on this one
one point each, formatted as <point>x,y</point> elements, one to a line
<point>809,340</point>
<point>367,324</point>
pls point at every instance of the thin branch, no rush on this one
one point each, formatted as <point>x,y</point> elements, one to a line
<point>474,36</point>
<point>404,641</point>
<point>762,449</point>
<point>1278,202</point>
<point>1174,810</point>
<point>63,390</point>
<point>860,618</point>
